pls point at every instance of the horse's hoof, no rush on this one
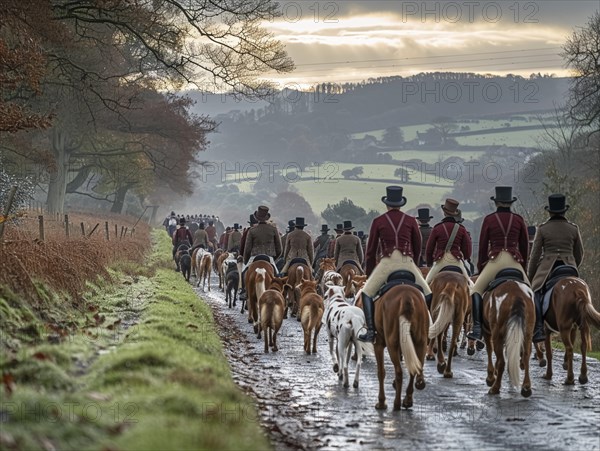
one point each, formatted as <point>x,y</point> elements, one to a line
<point>355,384</point>
<point>420,384</point>
<point>354,357</point>
<point>336,368</point>
<point>480,345</point>
<point>346,384</point>
<point>547,376</point>
<point>430,357</point>
<point>493,391</point>
<point>490,381</point>
<point>434,350</point>
<point>397,407</point>
<point>463,345</point>
<point>525,392</point>
<point>543,363</point>
<point>569,382</point>
<point>470,351</point>
<point>441,367</point>
<point>275,349</point>
<point>340,377</point>
<point>583,379</point>
<point>455,352</point>
<point>448,375</point>
<point>381,406</point>
<point>256,330</point>
<point>249,321</point>
<point>407,404</point>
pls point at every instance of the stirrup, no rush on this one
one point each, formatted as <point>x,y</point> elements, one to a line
<point>368,337</point>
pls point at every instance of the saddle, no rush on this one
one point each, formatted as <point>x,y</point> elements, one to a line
<point>558,273</point>
<point>351,262</point>
<point>262,258</point>
<point>505,275</point>
<point>452,268</point>
<point>400,277</point>
<point>298,261</point>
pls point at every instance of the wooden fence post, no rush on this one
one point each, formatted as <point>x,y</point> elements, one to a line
<point>116,232</point>
<point>93,230</point>
<point>121,236</point>
<point>107,234</point>
<point>7,207</point>
<point>67,225</point>
<point>41,222</point>
<point>82,229</point>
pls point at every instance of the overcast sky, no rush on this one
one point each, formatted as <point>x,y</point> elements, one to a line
<point>339,41</point>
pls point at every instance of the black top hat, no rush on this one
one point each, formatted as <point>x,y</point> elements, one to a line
<point>172,213</point>
<point>394,197</point>
<point>531,231</point>
<point>339,227</point>
<point>556,203</point>
<point>262,213</point>
<point>300,223</point>
<point>324,228</point>
<point>236,226</point>
<point>361,234</point>
<point>252,220</point>
<point>450,207</point>
<point>182,220</point>
<point>201,225</point>
<point>504,194</point>
<point>423,215</point>
<point>348,225</point>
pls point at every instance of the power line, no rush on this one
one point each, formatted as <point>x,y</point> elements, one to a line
<point>427,57</point>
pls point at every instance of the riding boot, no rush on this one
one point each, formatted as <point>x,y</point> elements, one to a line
<point>477,315</point>
<point>369,309</point>
<point>242,295</point>
<point>428,300</point>
<point>538,332</point>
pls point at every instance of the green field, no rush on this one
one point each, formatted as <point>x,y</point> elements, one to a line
<point>523,138</point>
<point>434,156</point>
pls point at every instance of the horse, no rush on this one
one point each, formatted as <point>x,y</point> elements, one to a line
<point>296,273</point>
<point>353,286</point>
<point>203,268</point>
<point>449,301</point>
<point>271,305</point>
<point>183,247</point>
<point>253,288</point>
<point>218,258</point>
<point>508,322</point>
<point>310,313</point>
<point>402,324</point>
<point>570,308</point>
<point>348,270</point>
<point>344,323</point>
<point>216,255</point>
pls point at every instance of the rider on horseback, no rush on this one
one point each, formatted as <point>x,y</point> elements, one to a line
<point>262,239</point>
<point>423,219</point>
<point>348,248</point>
<point>400,240</point>
<point>298,245</point>
<point>181,236</point>
<point>321,246</point>
<point>503,243</point>
<point>557,242</point>
<point>449,243</point>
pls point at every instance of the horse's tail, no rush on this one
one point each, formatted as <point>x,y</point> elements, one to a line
<point>260,282</point>
<point>413,364</point>
<point>446,312</point>
<point>514,339</point>
<point>587,312</point>
<point>299,274</point>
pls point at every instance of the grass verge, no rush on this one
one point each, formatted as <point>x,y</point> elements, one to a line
<point>147,373</point>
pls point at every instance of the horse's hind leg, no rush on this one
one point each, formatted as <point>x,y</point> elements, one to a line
<point>491,374</point>
<point>453,347</point>
<point>548,347</point>
<point>381,405</point>
<point>410,388</point>
<point>585,333</point>
<point>568,336</point>
<point>526,386</point>
<point>394,352</point>
<point>429,355</point>
<point>441,360</point>
<point>500,363</point>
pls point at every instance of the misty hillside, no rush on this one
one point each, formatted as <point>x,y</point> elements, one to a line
<point>318,123</point>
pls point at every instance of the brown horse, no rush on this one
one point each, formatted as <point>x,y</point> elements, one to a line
<point>348,271</point>
<point>296,273</point>
<point>508,322</point>
<point>253,288</point>
<point>449,303</point>
<point>570,308</point>
<point>402,324</point>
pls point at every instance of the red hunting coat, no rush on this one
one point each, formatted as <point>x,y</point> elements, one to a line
<point>393,230</point>
<point>436,244</point>
<point>503,230</point>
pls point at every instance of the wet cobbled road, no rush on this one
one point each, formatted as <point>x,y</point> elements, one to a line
<point>304,406</point>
